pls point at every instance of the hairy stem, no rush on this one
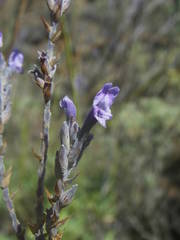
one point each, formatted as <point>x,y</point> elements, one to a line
<point>42,168</point>
<point>44,147</point>
<point>3,179</point>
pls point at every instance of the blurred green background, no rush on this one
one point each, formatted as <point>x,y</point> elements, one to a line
<point>129,183</point>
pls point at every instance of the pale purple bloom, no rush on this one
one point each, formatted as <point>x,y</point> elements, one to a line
<point>1,39</point>
<point>102,115</point>
<point>70,109</point>
<point>100,110</point>
<point>103,101</point>
<point>16,60</point>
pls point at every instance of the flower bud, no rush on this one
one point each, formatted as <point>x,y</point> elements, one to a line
<point>70,109</point>
<point>67,196</point>
<point>15,61</point>
<point>64,5</point>
<point>64,136</point>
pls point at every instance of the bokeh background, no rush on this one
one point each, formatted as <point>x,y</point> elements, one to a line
<point>129,182</point>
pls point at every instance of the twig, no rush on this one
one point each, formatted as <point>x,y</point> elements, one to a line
<point>44,79</point>
<point>45,137</point>
<point>42,167</point>
<point>5,177</point>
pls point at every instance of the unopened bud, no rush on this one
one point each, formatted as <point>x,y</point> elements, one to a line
<point>64,5</point>
<point>64,136</point>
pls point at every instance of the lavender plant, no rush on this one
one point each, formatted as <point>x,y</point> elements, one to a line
<point>73,139</point>
<point>7,72</point>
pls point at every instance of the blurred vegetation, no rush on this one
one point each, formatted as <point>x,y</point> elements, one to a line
<point>129,183</point>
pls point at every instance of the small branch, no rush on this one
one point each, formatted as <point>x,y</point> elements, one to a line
<point>5,178</point>
<point>42,168</point>
<point>15,222</point>
<point>44,79</point>
<point>49,71</point>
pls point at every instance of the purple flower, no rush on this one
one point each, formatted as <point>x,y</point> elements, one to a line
<point>70,109</point>
<point>102,103</point>
<point>16,60</point>
<point>1,39</point>
<point>100,110</point>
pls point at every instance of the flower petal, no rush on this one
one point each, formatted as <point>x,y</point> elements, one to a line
<point>106,87</point>
<point>101,115</point>
<point>111,95</point>
<point>101,94</point>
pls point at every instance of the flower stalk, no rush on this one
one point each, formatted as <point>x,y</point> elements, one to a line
<point>15,62</point>
<point>44,79</point>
